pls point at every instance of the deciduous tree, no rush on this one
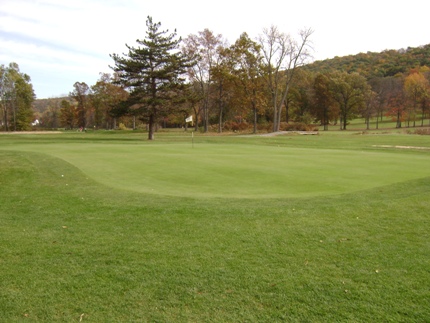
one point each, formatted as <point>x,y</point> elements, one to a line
<point>369,108</point>
<point>396,100</point>
<point>105,97</point>
<point>81,94</point>
<point>51,116</point>
<point>247,69</point>
<point>323,100</point>
<point>68,114</point>
<point>299,101</point>
<point>348,91</point>
<point>222,84</point>
<point>282,55</point>
<point>381,87</point>
<point>205,48</point>
<point>417,90</point>
<point>16,98</point>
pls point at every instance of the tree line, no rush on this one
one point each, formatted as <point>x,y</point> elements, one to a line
<point>263,84</point>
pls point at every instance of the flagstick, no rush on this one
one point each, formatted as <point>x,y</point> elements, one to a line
<point>192,138</point>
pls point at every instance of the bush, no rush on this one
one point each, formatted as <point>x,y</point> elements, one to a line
<point>122,126</point>
<point>423,131</point>
<point>236,126</point>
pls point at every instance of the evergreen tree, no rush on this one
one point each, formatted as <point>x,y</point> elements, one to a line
<point>152,72</point>
<point>24,101</point>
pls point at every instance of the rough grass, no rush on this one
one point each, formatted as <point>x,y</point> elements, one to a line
<point>74,248</point>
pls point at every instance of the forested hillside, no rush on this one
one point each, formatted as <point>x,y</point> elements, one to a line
<point>371,64</point>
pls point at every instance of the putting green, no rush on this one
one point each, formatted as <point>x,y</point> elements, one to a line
<point>239,170</point>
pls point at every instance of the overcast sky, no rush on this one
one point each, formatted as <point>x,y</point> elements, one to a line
<point>60,42</point>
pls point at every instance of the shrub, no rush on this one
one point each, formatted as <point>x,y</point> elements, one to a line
<point>235,126</point>
<point>295,126</point>
<point>423,131</point>
<point>122,126</point>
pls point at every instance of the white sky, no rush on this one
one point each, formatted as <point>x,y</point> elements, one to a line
<point>60,42</point>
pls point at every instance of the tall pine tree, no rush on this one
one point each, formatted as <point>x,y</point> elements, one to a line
<point>152,72</point>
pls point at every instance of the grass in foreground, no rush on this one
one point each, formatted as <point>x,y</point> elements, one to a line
<point>71,246</point>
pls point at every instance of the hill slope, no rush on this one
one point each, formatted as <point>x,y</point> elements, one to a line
<point>371,64</point>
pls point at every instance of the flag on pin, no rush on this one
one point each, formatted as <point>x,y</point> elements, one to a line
<point>189,119</point>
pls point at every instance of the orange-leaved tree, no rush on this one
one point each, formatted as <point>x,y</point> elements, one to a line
<point>417,91</point>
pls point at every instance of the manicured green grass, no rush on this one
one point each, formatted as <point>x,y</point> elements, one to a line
<point>237,167</point>
<point>236,229</point>
<point>387,123</point>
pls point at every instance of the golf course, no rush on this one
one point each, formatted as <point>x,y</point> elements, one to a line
<point>106,226</point>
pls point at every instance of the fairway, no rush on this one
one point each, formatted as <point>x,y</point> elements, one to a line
<point>108,227</point>
<point>236,169</point>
